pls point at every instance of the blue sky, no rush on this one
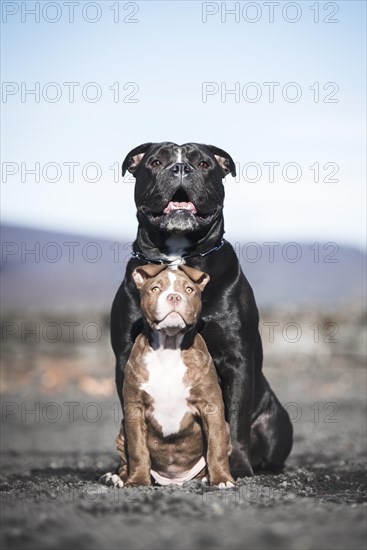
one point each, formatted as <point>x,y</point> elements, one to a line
<point>166,56</point>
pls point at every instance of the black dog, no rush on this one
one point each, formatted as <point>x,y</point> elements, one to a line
<point>179,197</point>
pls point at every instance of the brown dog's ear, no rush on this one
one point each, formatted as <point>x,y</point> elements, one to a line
<point>224,160</point>
<point>198,277</point>
<point>134,158</point>
<point>144,272</point>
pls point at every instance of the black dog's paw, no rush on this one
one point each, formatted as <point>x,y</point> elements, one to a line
<point>239,464</point>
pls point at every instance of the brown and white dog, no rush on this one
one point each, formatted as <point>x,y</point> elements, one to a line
<point>174,428</point>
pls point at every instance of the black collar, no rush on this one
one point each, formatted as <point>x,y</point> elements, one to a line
<point>178,261</point>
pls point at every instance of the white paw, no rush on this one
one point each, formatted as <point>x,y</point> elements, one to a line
<point>226,485</point>
<point>204,480</point>
<point>113,480</point>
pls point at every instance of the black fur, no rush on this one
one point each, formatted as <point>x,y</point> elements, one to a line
<point>261,431</point>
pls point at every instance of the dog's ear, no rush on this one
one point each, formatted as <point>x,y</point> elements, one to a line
<point>198,277</point>
<point>134,158</point>
<point>144,272</point>
<point>224,160</point>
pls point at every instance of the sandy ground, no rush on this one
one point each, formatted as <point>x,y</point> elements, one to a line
<point>53,456</point>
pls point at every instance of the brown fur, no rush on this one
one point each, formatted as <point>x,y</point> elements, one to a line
<point>203,431</point>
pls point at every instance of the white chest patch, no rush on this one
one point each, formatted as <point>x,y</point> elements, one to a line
<point>165,385</point>
<point>176,247</point>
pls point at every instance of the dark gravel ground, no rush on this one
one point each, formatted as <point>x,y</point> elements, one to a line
<point>52,458</point>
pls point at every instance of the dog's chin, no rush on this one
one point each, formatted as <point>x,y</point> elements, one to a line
<point>179,221</point>
<point>171,325</point>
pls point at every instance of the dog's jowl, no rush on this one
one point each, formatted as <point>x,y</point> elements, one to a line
<point>179,197</point>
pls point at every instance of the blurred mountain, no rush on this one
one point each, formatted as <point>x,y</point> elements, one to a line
<point>43,269</point>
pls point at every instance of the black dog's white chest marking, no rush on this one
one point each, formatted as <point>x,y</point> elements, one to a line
<point>177,247</point>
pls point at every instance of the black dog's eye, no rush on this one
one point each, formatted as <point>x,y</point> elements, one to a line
<point>204,164</point>
<point>155,163</point>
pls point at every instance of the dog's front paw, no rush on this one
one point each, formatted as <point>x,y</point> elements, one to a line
<point>138,481</point>
<point>239,464</point>
<point>223,481</point>
<point>226,484</point>
<point>112,480</point>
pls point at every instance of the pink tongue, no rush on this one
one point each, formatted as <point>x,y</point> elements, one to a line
<point>179,205</point>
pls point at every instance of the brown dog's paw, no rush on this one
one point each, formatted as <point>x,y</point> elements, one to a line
<point>226,484</point>
<point>138,482</point>
<point>112,480</point>
<point>223,482</point>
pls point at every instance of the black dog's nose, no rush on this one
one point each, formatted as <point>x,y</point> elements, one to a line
<point>181,169</point>
<point>174,299</point>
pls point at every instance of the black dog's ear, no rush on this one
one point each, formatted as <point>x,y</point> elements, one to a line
<point>133,159</point>
<point>224,160</point>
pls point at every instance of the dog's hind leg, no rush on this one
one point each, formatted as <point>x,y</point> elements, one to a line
<point>271,436</point>
<point>118,478</point>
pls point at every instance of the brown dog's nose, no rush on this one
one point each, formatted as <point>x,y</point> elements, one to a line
<point>174,299</point>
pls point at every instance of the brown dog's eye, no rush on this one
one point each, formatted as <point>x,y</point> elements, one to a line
<point>155,289</point>
<point>189,290</point>
<point>155,163</point>
<point>204,164</point>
